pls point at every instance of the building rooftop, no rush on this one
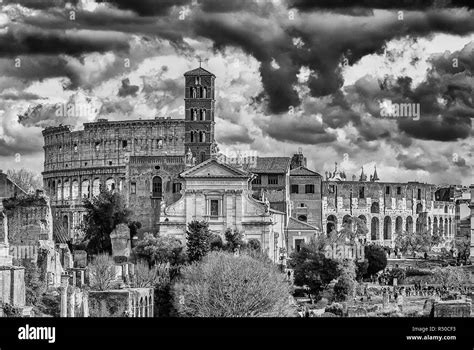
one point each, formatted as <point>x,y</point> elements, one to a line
<point>269,165</point>
<point>198,71</point>
<point>303,171</point>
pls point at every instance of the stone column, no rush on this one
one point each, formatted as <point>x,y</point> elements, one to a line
<point>63,289</point>
<point>71,300</point>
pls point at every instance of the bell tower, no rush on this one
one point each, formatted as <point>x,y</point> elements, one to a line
<point>199,105</point>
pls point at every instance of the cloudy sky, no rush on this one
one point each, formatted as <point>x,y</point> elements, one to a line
<point>290,74</point>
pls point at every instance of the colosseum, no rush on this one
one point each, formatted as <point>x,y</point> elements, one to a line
<point>140,158</point>
<point>385,207</point>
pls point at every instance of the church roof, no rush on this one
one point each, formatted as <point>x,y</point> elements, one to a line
<point>303,171</point>
<point>294,224</point>
<point>198,71</point>
<point>269,165</point>
<point>214,168</point>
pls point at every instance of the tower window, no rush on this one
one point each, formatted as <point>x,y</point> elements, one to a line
<point>197,80</point>
<point>387,190</point>
<point>419,194</point>
<point>192,136</point>
<point>309,188</point>
<point>399,190</point>
<point>362,192</point>
<point>133,188</point>
<point>202,136</point>
<point>75,147</point>
<point>157,186</point>
<point>124,144</point>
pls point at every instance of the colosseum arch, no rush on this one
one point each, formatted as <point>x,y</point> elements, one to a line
<point>347,222</point>
<point>450,227</point>
<point>75,189</point>
<point>331,224</point>
<point>96,187</point>
<point>375,208</point>
<point>398,225</point>
<point>387,228</point>
<point>435,225</point>
<point>374,229</point>
<point>59,194</point>
<point>110,184</point>
<point>409,224</point>
<point>85,188</point>
<point>66,190</point>
<point>446,227</point>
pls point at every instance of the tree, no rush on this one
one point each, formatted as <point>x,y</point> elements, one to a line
<point>224,285</point>
<point>423,241</point>
<point>450,276</point>
<point>151,277</point>
<point>28,180</point>
<point>353,230</point>
<point>254,244</point>
<point>234,240</point>
<point>104,213</point>
<point>376,259</point>
<point>346,283</point>
<point>463,245</point>
<point>102,272</point>
<point>216,242</point>
<point>313,269</point>
<point>155,249</point>
<point>198,240</point>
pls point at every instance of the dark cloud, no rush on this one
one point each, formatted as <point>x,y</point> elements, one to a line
<point>126,89</point>
<point>148,7</point>
<point>378,4</point>
<point>16,96</point>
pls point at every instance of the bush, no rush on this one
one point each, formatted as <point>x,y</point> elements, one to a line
<point>397,273</point>
<point>102,272</point>
<point>151,277</point>
<point>159,249</point>
<point>254,244</point>
<point>335,308</point>
<point>216,242</point>
<point>11,311</point>
<point>34,286</point>
<point>417,272</point>
<point>224,285</point>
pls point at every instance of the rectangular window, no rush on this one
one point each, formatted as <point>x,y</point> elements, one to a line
<point>331,188</point>
<point>362,192</point>
<point>399,190</point>
<point>124,144</point>
<point>133,188</point>
<point>177,187</point>
<point>294,188</point>
<point>298,244</point>
<point>419,194</point>
<point>214,208</point>
<point>257,180</point>
<point>387,190</point>
<point>273,179</point>
<point>309,188</point>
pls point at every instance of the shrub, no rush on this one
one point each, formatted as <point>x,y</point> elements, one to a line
<point>102,272</point>
<point>224,285</point>
<point>417,272</point>
<point>234,240</point>
<point>156,249</point>
<point>198,240</point>
<point>397,273</point>
<point>34,286</point>
<point>254,244</point>
<point>150,277</point>
<point>216,242</point>
<point>11,311</point>
<point>335,308</point>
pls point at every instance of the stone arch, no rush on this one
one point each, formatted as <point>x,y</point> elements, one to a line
<point>450,227</point>
<point>374,229</point>
<point>110,184</point>
<point>387,228</point>
<point>445,209</point>
<point>347,222</point>
<point>59,194</point>
<point>75,189</point>
<point>96,187</point>
<point>446,227</point>
<point>331,224</point>
<point>65,222</point>
<point>363,220</point>
<point>66,190</point>
<point>398,224</point>
<point>409,224</point>
<point>85,188</point>
<point>142,307</point>
<point>150,306</point>
<point>375,208</point>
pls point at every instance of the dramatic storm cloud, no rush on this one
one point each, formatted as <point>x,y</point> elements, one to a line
<point>290,73</point>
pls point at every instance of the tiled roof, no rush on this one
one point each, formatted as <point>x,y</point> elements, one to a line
<point>302,171</point>
<point>294,224</point>
<point>269,165</point>
<point>232,171</point>
<point>198,71</point>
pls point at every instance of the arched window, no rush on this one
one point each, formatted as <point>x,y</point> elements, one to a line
<point>445,209</point>
<point>435,225</point>
<point>398,224</point>
<point>200,92</point>
<point>363,222</point>
<point>60,191</point>
<point>157,190</point>
<point>204,93</point>
<point>374,229</point>
<point>446,227</point>
<point>66,224</point>
<point>202,136</point>
<point>302,218</point>
<point>66,190</point>
<point>331,224</point>
<point>110,184</point>
<point>85,188</point>
<point>53,187</point>
<point>419,208</point>
<point>203,114</point>
<point>374,208</point>
<point>387,228</point>
<point>96,187</point>
<point>409,225</point>
<point>191,134</point>
<point>203,156</point>
<point>193,92</point>
<point>75,189</point>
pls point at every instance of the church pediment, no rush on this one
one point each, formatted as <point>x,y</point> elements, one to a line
<point>213,168</point>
